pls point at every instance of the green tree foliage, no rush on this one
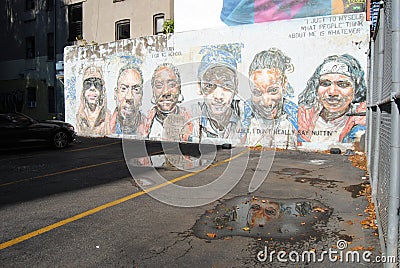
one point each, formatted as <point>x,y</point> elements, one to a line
<point>168,26</point>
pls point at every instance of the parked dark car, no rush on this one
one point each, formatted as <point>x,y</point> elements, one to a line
<point>16,128</point>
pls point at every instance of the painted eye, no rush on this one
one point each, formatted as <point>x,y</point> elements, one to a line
<point>256,92</point>
<point>208,87</point>
<point>273,90</point>
<point>343,84</point>
<point>159,84</point>
<point>87,84</point>
<point>325,83</point>
<point>137,89</point>
<point>98,84</point>
<point>172,83</point>
<point>256,206</point>
<point>270,211</point>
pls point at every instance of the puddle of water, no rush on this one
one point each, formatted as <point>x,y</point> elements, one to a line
<point>356,189</point>
<point>171,162</point>
<point>292,171</point>
<point>262,217</point>
<point>317,181</point>
<point>318,162</point>
<point>141,182</point>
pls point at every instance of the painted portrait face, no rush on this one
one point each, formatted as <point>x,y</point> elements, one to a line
<point>129,95</point>
<point>166,89</point>
<point>267,92</point>
<point>218,87</point>
<point>262,211</point>
<point>92,88</point>
<point>336,92</point>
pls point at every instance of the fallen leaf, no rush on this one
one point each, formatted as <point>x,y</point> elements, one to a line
<point>318,209</point>
<point>357,248</point>
<point>246,228</point>
<point>212,235</point>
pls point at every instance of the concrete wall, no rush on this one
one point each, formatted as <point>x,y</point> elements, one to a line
<point>99,17</point>
<point>289,84</point>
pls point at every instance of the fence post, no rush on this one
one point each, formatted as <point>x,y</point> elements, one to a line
<point>380,66</point>
<point>393,212</point>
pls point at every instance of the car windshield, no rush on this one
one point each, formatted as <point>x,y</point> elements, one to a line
<point>18,119</point>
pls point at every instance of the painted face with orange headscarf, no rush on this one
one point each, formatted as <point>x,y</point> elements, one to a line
<point>267,92</point>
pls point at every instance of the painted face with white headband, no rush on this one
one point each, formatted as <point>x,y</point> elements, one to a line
<point>335,89</point>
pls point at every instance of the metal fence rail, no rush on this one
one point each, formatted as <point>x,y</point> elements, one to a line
<point>383,126</point>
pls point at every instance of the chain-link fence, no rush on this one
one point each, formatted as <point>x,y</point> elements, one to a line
<point>383,119</point>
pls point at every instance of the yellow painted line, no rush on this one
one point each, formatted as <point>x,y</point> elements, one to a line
<point>97,146</point>
<point>108,205</point>
<point>61,172</point>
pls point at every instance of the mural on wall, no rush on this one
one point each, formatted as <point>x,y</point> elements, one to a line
<point>336,88</point>
<point>217,112</point>
<point>166,118</point>
<point>287,84</point>
<point>236,12</point>
<point>270,115</point>
<point>93,117</point>
<point>128,93</point>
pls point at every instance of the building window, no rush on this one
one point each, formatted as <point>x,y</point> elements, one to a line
<point>75,21</point>
<point>29,4</point>
<point>50,46</point>
<point>122,29</point>
<point>31,97</point>
<point>30,47</point>
<point>49,5</point>
<point>158,23</point>
<point>52,99</point>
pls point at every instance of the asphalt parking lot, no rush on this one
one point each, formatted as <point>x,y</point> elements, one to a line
<point>80,207</point>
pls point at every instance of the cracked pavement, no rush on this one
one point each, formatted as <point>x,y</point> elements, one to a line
<point>143,232</point>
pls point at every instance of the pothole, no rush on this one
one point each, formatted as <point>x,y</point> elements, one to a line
<point>292,171</point>
<point>262,217</point>
<point>317,181</point>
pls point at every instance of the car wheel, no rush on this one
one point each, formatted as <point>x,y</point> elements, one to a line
<point>60,139</point>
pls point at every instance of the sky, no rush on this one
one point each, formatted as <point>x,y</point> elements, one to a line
<point>195,15</point>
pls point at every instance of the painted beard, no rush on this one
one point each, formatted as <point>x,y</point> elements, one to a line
<point>128,115</point>
<point>267,112</point>
<point>166,103</point>
<point>92,106</point>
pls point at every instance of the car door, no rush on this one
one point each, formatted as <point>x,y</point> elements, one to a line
<point>32,130</point>
<point>7,131</point>
<point>12,128</point>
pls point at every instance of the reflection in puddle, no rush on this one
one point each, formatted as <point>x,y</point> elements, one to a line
<point>318,181</point>
<point>318,162</point>
<point>356,190</point>
<point>286,219</point>
<point>171,162</point>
